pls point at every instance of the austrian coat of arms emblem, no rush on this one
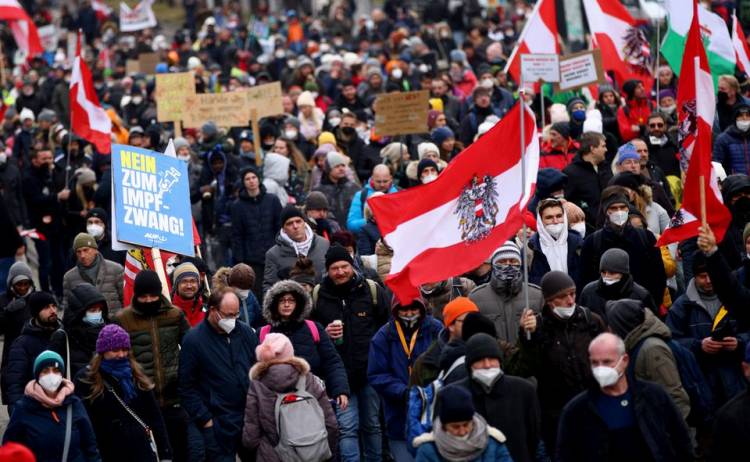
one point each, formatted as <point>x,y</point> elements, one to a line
<point>477,209</point>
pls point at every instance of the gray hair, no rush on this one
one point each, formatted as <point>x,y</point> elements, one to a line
<point>611,340</point>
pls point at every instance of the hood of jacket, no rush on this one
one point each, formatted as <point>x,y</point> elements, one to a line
<point>279,375</point>
<point>651,326</point>
<point>81,297</point>
<point>395,304</point>
<point>550,180</point>
<point>276,168</point>
<point>18,269</point>
<point>271,302</point>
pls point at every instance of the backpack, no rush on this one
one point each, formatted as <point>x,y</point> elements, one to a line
<point>301,426</point>
<point>691,376</point>
<point>373,292</point>
<point>265,330</point>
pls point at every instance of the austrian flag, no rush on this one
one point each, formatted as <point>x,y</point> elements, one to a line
<point>87,117</point>
<point>453,224</point>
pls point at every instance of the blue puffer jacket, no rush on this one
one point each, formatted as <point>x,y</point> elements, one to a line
<point>388,369</point>
<point>540,265</point>
<point>732,150</point>
<point>214,378</point>
<point>42,430</point>
<point>255,222</point>
<point>496,451</point>
<point>355,220</point>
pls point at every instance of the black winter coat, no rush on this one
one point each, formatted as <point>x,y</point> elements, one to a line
<point>596,294</point>
<point>352,304</point>
<point>255,222</point>
<point>118,436</point>
<point>12,319</point>
<point>367,238</point>
<point>732,428</point>
<point>584,436</point>
<point>585,185</point>
<point>339,196</point>
<point>665,156</point>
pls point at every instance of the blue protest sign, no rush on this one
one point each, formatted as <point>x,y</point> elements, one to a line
<point>151,199</point>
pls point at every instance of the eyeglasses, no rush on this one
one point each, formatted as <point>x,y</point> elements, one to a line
<point>287,301</point>
<point>659,125</point>
<point>229,316</point>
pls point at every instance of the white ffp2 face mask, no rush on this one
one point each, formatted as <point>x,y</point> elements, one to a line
<point>50,382</point>
<point>606,376</point>
<point>227,325</point>
<point>564,312</point>
<point>554,229</point>
<point>95,230</point>
<point>486,376</point>
<point>580,228</point>
<point>619,218</point>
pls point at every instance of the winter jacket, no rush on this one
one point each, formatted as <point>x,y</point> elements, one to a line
<point>19,368</point>
<point>321,356</point>
<point>155,341</point>
<point>12,193</point>
<point>504,307</point>
<point>539,266</point>
<point>267,381</point>
<point>215,209</point>
<point>690,322</point>
<point>665,156</point>
<point>731,289</point>
<point>42,430</point>
<point>555,157</point>
<point>12,320</point>
<point>426,367</point>
<point>356,217</point>
<point>584,436</point>
<point>276,176</point>
<point>444,292</point>
<point>496,451</point>
<point>596,294</point>
<point>352,303</point>
<point>557,355</point>
<point>340,196</point>
<point>585,185</point>
<point>109,281</point>
<point>646,264</point>
<point>213,379</point>
<point>255,222</point>
<point>732,150</point>
<point>732,428</point>
<point>79,338</point>
<point>119,437</point>
<point>512,407</point>
<point>655,361</point>
<point>389,366</point>
<point>633,112</point>
<point>367,238</point>
<point>281,257</point>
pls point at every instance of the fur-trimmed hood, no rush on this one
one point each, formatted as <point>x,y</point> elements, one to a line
<point>430,437</point>
<point>260,369</point>
<point>220,279</point>
<point>411,168</point>
<point>271,301</point>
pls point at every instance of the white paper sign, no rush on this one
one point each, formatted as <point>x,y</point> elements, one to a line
<point>578,71</point>
<point>48,37</point>
<point>138,18</point>
<point>540,66</point>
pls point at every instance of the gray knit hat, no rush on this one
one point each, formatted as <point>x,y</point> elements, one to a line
<point>507,250</point>
<point>334,159</point>
<point>615,261</point>
<point>555,282</point>
<point>18,272</point>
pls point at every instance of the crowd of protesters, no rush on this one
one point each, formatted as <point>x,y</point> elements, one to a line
<point>284,342</point>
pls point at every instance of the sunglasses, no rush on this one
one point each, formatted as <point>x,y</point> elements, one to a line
<point>659,125</point>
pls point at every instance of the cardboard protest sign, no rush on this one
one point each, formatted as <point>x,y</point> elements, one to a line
<point>147,62</point>
<point>540,66</point>
<point>151,200</point>
<point>265,99</point>
<point>580,69</point>
<point>171,92</point>
<point>224,109</point>
<point>132,66</point>
<point>48,37</point>
<point>401,113</point>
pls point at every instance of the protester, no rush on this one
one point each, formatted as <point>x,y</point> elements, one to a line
<point>14,313</point>
<point>241,278</point>
<point>186,294</point>
<point>91,267</point>
<point>97,222</point>
<point>730,425</point>
<point>380,181</point>
<point>587,176</point>
<point>553,248</point>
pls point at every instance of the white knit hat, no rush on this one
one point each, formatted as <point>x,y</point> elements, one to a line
<point>27,113</point>
<point>424,148</point>
<point>305,99</point>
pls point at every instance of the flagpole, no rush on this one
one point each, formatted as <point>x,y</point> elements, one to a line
<point>656,59</point>
<point>524,259</point>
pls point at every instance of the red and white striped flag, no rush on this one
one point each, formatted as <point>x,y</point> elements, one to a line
<point>87,117</point>
<point>137,260</point>
<point>539,35</point>
<point>23,28</point>
<point>624,47</point>
<point>453,224</point>
<point>697,106</point>
<point>740,45</point>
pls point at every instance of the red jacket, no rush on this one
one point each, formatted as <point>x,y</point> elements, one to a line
<point>554,157</point>
<point>634,112</point>
<point>192,308</point>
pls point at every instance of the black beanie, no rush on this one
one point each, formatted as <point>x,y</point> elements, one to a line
<point>615,199</point>
<point>555,282</point>
<point>99,213</point>
<point>423,164</point>
<point>562,128</point>
<point>700,263</point>
<point>475,323</point>
<point>455,404</point>
<point>481,346</point>
<point>337,253</point>
<point>146,283</point>
<point>290,211</point>
<point>39,300</point>
<point>627,179</point>
<point>629,87</point>
<point>624,315</point>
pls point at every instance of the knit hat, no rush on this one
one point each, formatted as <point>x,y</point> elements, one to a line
<point>440,134</point>
<point>700,263</point>
<point>423,164</point>
<point>147,282</point>
<point>458,56</point>
<point>316,200</point>
<point>667,93</point>
<point>481,346</point>
<point>334,159</point>
<point>209,129</point>
<point>242,276</point>
<point>84,240</point>
<point>615,261</point>
<point>475,323</point>
<point>27,113</point>
<point>99,213</point>
<point>562,128</point>
<point>507,250</point>
<point>558,113</point>
<point>19,271</point>
<point>290,211</point>
<point>592,125</point>
<point>84,176</point>
<point>628,180</point>
<point>627,151</point>
<point>455,404</point>
<point>47,358</point>
<point>337,253</point>
<point>38,301</point>
<point>629,87</point>
<point>291,120</point>
<point>554,282</point>
<point>184,270</point>
<point>392,152</point>
<point>326,138</point>
<point>305,99</point>
<point>624,315</point>
<point>275,347</point>
<point>112,337</point>
<point>573,101</point>
<point>180,142</point>
<point>615,199</point>
<point>47,115</point>
<point>456,308</point>
<point>426,147</point>
<point>135,130</point>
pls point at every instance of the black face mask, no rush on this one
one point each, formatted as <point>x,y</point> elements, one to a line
<point>149,308</point>
<point>348,131</point>
<point>741,209</point>
<point>722,97</point>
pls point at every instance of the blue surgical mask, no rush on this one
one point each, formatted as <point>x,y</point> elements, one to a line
<point>94,318</point>
<point>579,115</point>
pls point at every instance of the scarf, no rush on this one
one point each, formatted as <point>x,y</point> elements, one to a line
<point>120,370</point>
<point>556,250</point>
<point>300,248</point>
<point>458,449</point>
<point>35,391</point>
<point>90,272</point>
